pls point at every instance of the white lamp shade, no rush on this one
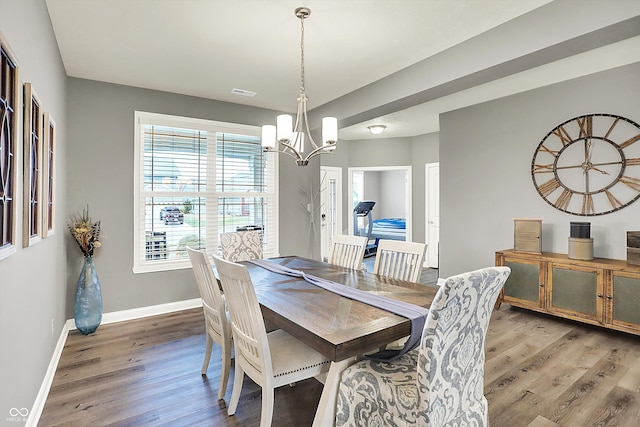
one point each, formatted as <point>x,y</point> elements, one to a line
<point>285,127</point>
<point>269,137</point>
<point>297,141</point>
<point>329,131</point>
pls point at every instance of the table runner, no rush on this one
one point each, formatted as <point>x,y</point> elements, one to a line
<point>413,312</point>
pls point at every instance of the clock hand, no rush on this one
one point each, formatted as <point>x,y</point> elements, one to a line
<point>598,170</point>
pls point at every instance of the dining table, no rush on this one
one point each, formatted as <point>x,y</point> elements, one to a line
<point>340,328</point>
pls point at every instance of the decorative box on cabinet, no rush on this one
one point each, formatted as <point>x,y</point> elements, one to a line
<point>604,292</point>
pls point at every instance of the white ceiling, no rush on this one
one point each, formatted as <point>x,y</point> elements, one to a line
<point>206,48</point>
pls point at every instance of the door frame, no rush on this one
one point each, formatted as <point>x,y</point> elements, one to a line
<point>337,173</point>
<point>427,200</point>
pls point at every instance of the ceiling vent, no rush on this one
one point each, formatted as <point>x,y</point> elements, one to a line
<point>242,92</point>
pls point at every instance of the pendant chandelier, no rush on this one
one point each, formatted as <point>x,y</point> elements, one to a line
<point>292,136</point>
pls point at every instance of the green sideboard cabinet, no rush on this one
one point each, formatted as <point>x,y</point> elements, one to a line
<point>603,292</point>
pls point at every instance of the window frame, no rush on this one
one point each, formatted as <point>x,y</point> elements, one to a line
<point>141,119</point>
<point>11,84</point>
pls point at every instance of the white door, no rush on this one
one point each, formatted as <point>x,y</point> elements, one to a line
<point>330,206</point>
<point>432,209</point>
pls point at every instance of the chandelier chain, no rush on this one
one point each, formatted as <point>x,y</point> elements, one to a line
<point>302,89</point>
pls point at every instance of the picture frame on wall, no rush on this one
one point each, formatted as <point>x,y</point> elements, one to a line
<point>32,167</point>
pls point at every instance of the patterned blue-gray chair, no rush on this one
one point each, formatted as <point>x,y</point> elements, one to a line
<point>240,246</point>
<point>440,383</point>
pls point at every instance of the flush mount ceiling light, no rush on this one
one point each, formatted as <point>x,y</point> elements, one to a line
<point>377,129</point>
<point>292,137</point>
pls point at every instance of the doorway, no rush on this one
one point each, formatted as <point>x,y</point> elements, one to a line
<point>393,198</point>
<point>330,207</point>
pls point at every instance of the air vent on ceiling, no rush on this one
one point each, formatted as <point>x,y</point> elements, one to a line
<point>243,92</point>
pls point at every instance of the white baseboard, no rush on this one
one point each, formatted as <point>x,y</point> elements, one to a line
<point>41,398</point>
<point>116,316</point>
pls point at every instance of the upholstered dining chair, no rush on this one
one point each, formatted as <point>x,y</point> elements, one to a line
<point>347,251</point>
<point>241,245</point>
<point>216,318</point>
<point>440,383</point>
<point>399,260</point>
<point>271,359</point>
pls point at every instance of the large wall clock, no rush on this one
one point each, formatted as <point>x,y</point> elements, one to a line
<point>589,165</point>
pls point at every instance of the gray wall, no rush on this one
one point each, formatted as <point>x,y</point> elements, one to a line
<point>386,190</point>
<point>485,162</point>
<point>104,130</point>
<point>33,280</point>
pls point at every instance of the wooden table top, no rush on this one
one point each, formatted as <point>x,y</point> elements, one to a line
<point>335,326</point>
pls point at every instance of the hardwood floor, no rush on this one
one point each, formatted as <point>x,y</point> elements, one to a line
<point>540,371</point>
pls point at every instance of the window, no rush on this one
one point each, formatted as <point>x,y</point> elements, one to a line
<point>48,163</point>
<point>196,179</point>
<point>8,138</point>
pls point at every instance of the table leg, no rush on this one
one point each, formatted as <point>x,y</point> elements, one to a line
<point>326,412</point>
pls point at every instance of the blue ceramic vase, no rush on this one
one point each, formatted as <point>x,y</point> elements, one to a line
<point>88,302</point>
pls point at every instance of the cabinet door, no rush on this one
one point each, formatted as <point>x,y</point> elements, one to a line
<point>576,291</point>
<point>524,286</point>
<point>625,295</point>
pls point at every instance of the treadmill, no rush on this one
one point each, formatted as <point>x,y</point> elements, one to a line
<point>363,209</point>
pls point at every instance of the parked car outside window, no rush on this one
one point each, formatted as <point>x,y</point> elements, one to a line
<point>171,214</point>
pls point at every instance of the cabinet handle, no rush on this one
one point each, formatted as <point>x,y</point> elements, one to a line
<point>609,297</point>
<point>599,295</point>
<point>542,285</point>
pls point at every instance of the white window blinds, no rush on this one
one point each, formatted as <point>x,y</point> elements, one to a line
<point>197,179</point>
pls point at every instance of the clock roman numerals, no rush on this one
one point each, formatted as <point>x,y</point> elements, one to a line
<point>615,122</point>
<point>586,126</point>
<point>587,204</point>
<point>613,201</point>
<point>544,149</point>
<point>561,133</point>
<point>549,187</point>
<point>634,183</point>
<point>630,141</point>
<point>543,168</point>
<point>633,162</point>
<point>563,199</point>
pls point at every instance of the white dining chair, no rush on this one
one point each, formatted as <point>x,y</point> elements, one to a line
<point>216,318</point>
<point>241,245</point>
<point>270,359</point>
<point>347,251</point>
<point>399,260</point>
<point>440,383</point>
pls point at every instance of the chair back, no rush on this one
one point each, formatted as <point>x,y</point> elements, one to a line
<point>451,356</point>
<point>212,300</point>
<point>347,251</point>
<point>241,245</point>
<point>247,325</point>
<point>399,260</point>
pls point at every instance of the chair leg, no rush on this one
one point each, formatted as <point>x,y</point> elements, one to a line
<point>267,406</point>
<point>226,367</point>
<point>238,378</point>
<point>207,355</point>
